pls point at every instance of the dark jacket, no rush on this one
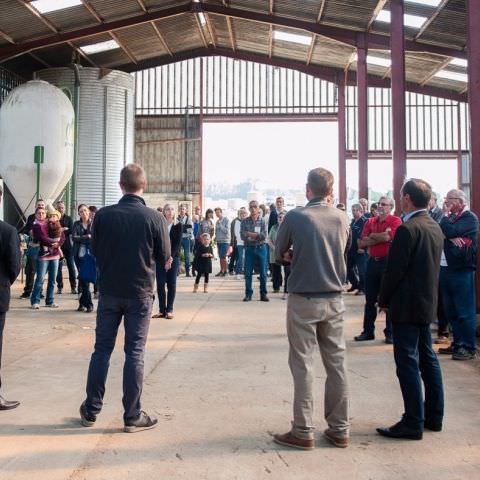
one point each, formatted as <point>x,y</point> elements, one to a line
<point>176,239</point>
<point>80,236</point>
<point>9,262</point>
<point>356,228</point>
<point>67,222</point>
<point>29,225</point>
<point>127,239</point>
<point>436,213</point>
<point>272,219</point>
<point>466,227</point>
<point>409,287</point>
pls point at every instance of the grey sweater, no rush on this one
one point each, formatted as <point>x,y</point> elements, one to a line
<point>318,235</point>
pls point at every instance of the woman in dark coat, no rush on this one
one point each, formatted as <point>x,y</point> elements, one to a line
<point>167,273</point>
<point>203,261</point>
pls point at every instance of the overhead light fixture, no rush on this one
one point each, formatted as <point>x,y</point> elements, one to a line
<point>45,6</point>
<point>201,17</point>
<point>449,75</point>
<point>414,21</point>
<point>292,37</point>
<point>459,62</point>
<point>100,47</point>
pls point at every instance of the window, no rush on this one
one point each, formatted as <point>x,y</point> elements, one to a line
<point>45,6</point>
<point>292,37</point>
<point>100,47</point>
<point>413,21</point>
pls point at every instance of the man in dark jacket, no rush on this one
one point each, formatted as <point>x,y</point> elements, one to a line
<point>457,274</point>
<point>409,293</point>
<point>127,240</point>
<point>9,270</point>
<point>67,248</point>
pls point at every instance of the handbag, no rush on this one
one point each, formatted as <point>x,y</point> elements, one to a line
<point>88,268</point>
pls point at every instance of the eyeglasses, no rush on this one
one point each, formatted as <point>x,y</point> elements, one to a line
<point>452,198</point>
<point>382,204</point>
<point>253,206</point>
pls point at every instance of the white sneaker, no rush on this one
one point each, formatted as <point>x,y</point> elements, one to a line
<point>238,277</point>
<point>35,306</point>
<point>52,305</point>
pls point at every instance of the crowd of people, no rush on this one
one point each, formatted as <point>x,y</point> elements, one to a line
<point>417,268</point>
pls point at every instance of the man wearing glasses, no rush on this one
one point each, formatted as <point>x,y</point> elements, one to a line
<point>253,232</point>
<point>377,236</point>
<point>457,274</point>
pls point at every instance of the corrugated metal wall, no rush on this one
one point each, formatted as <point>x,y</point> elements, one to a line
<point>169,148</point>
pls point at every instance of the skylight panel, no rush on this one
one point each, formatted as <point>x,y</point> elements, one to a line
<point>292,37</point>
<point>413,21</point>
<point>428,3</point>
<point>379,61</point>
<point>202,18</point>
<point>459,62</point>
<point>100,47</point>
<point>45,6</point>
<point>449,75</point>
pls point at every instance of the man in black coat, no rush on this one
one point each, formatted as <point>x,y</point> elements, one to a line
<point>9,270</point>
<point>67,248</point>
<point>409,292</point>
<point>128,239</point>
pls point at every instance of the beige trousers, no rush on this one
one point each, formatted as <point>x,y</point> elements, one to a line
<point>313,322</point>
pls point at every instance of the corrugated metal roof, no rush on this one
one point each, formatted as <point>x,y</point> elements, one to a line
<point>142,41</point>
<point>181,32</point>
<point>113,9</point>
<point>70,18</point>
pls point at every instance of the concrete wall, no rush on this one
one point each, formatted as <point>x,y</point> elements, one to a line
<point>169,149</point>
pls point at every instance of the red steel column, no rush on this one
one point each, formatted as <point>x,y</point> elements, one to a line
<point>342,160</point>
<point>473,47</point>
<point>362,96</point>
<point>399,137</point>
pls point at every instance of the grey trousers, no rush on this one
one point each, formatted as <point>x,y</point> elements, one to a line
<point>313,322</point>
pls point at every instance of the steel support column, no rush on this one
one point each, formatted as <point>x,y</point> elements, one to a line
<point>342,148</point>
<point>473,47</point>
<point>399,139</point>
<point>362,95</point>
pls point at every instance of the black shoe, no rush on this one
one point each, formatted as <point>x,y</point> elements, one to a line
<point>351,289</point>
<point>81,308</point>
<point>247,298</point>
<point>42,295</point>
<point>463,354</point>
<point>389,340</point>
<point>363,337</point>
<point>187,274</point>
<point>264,298</point>
<point>89,309</point>
<point>73,291</point>
<point>59,291</point>
<point>433,426</point>
<point>446,350</point>
<point>399,430</point>
<point>219,274</point>
<point>8,404</point>
<point>143,422</point>
<point>360,292</point>
<point>86,419</point>
<point>25,295</point>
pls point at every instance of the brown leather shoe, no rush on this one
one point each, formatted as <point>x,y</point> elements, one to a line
<point>337,440</point>
<point>290,440</point>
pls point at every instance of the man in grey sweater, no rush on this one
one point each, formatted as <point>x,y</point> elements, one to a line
<point>313,239</point>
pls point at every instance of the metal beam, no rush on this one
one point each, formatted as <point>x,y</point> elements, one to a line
<point>343,35</point>
<point>141,4</point>
<point>200,29</point>
<point>230,32</point>
<point>270,9</point>
<point>312,47</point>
<point>161,38</point>
<point>376,11</point>
<point>92,11</point>
<point>432,18</point>
<point>399,128</point>
<point>362,96</point>
<point>342,160</point>
<point>211,31</point>
<point>320,12</point>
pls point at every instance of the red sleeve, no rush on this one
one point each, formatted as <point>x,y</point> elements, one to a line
<point>367,228</point>
<point>394,224</point>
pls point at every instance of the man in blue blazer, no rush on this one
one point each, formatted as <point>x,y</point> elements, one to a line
<point>9,270</point>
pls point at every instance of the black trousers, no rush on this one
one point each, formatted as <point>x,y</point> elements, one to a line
<point>2,326</point>
<point>30,270</point>
<point>277,279</point>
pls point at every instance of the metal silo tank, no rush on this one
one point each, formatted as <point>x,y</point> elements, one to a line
<point>105,129</point>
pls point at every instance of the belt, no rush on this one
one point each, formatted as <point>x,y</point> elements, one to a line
<point>378,259</point>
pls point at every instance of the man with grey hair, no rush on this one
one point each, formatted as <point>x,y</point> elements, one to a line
<point>9,270</point>
<point>457,274</point>
<point>377,236</point>
<point>318,234</point>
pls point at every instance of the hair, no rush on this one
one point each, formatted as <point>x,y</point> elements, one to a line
<point>255,202</point>
<point>357,206</point>
<point>133,178</point>
<point>279,198</point>
<point>281,214</point>
<point>374,206</point>
<point>93,208</point>
<point>419,191</point>
<point>205,235</point>
<point>360,200</point>
<point>263,208</point>
<point>39,208</point>
<point>60,201</point>
<point>391,200</point>
<point>341,206</point>
<point>208,212</point>
<point>218,209</point>
<point>320,181</point>
<point>460,195</point>
<point>54,230</point>
<point>160,209</point>
<point>82,205</point>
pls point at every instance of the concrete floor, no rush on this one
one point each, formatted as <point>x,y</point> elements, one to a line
<point>218,380</point>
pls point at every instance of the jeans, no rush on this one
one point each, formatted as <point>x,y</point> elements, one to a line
<point>42,267</point>
<point>165,301</point>
<point>136,318</point>
<point>458,295</point>
<point>240,262</point>
<point>256,254</point>
<point>2,326</point>
<point>186,252</point>
<point>356,266</point>
<point>72,273</point>
<point>317,323</point>
<point>373,281</point>
<point>416,361</point>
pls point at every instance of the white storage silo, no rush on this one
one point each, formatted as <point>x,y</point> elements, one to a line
<point>36,114</point>
<point>105,129</point>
